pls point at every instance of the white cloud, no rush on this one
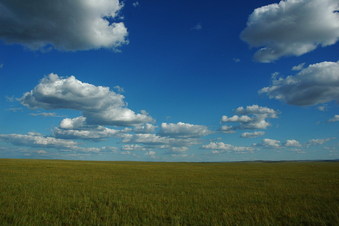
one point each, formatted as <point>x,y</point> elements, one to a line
<point>334,119</point>
<point>156,142</point>
<point>292,27</point>
<point>133,147</point>
<point>250,117</point>
<point>65,25</point>
<point>144,128</point>
<point>292,143</point>
<point>37,140</point>
<point>181,129</point>
<point>253,134</point>
<point>316,84</point>
<point>270,143</point>
<point>99,104</point>
<point>298,67</point>
<point>151,154</point>
<point>77,128</point>
<point>236,60</point>
<point>220,147</point>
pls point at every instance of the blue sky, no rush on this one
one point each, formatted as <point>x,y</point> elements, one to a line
<point>169,80</point>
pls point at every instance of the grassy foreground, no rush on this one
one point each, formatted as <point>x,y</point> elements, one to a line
<point>50,192</point>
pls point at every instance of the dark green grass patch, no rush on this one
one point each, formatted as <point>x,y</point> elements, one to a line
<point>50,192</point>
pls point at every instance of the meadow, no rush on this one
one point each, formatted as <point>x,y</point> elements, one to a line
<point>56,192</point>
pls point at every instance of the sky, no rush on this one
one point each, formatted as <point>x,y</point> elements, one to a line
<point>189,81</point>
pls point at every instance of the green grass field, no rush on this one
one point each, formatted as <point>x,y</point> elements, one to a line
<point>53,192</point>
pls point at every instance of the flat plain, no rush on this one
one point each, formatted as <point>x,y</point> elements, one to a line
<point>57,192</point>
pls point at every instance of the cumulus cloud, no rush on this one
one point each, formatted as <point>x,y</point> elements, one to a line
<point>65,25</point>
<point>220,147</point>
<point>292,28</point>
<point>334,119</point>
<point>316,84</point>
<point>181,129</point>
<point>99,104</point>
<point>292,143</point>
<point>77,128</point>
<point>253,134</point>
<point>270,143</point>
<point>250,117</point>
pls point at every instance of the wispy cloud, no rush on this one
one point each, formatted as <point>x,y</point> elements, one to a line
<point>197,27</point>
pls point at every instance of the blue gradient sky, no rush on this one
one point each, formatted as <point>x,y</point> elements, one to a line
<point>184,62</point>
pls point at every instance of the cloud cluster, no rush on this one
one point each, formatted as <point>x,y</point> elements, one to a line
<point>249,118</point>
<point>65,25</point>
<point>37,140</point>
<point>98,104</point>
<point>181,129</point>
<point>77,128</point>
<point>252,134</point>
<point>292,27</point>
<point>220,147</point>
<point>316,84</point>
<point>154,141</point>
<point>173,137</point>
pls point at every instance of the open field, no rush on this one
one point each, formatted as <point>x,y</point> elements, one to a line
<point>53,192</point>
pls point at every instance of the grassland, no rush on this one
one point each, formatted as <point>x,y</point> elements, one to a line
<point>51,192</point>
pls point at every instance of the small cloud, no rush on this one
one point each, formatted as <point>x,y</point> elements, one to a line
<point>237,60</point>
<point>334,119</point>
<point>136,4</point>
<point>1,66</point>
<point>197,27</point>
<point>220,147</point>
<point>322,108</point>
<point>269,143</point>
<point>298,67</point>
<point>292,143</point>
<point>252,135</point>
<point>119,89</point>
